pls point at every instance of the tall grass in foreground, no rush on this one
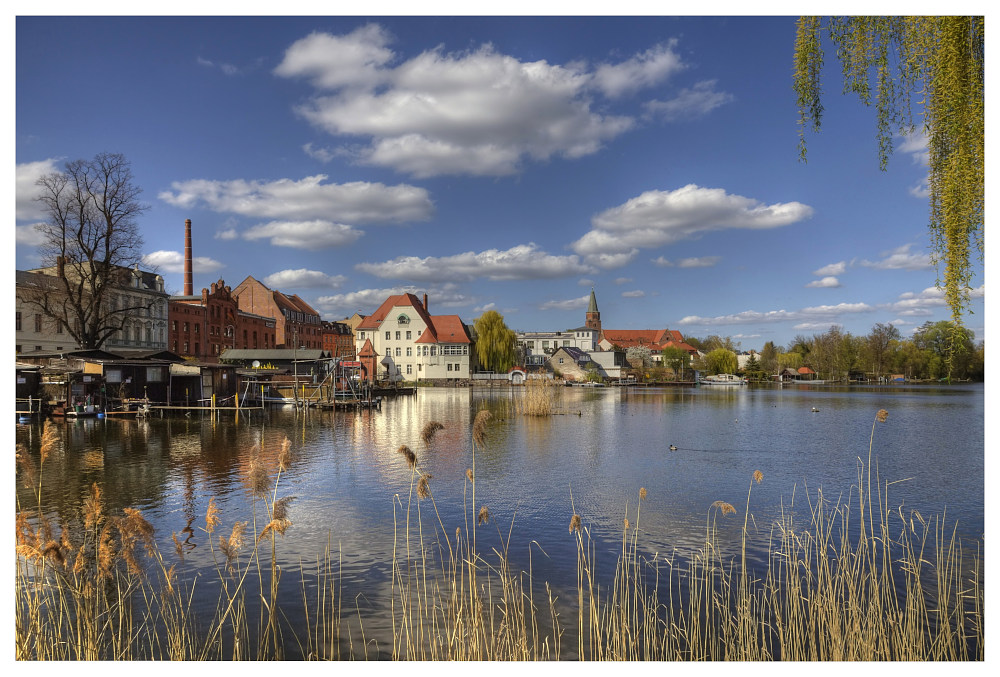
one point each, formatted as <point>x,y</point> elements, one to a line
<point>858,581</point>
<point>538,397</point>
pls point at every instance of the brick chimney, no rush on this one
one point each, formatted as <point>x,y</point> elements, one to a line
<point>61,266</point>
<point>425,304</point>
<point>188,283</point>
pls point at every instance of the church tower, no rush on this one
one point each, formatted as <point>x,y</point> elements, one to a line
<point>593,315</point>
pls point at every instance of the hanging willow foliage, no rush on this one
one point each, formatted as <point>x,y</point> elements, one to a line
<point>933,63</point>
<point>496,345</point>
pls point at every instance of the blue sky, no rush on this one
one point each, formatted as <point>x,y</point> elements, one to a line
<point>492,163</point>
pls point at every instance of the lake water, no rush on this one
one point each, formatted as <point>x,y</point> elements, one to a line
<point>351,487</point>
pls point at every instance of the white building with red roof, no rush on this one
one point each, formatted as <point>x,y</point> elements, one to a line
<point>401,341</point>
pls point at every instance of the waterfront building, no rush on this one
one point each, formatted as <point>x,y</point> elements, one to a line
<point>137,297</point>
<point>402,341</point>
<point>203,326</point>
<point>338,339</point>
<point>297,323</point>
<point>654,339</point>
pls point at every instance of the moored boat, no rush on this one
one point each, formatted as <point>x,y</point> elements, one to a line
<point>722,380</point>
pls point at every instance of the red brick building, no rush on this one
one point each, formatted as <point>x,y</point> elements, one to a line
<point>201,327</point>
<point>338,339</point>
<point>295,320</point>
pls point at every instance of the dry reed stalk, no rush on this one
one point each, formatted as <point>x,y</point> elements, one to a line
<point>429,430</point>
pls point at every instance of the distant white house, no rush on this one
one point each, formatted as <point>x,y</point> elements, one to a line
<point>538,346</point>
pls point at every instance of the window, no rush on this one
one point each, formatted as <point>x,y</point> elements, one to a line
<point>420,367</point>
<point>433,351</point>
<point>173,325</point>
<point>398,352</point>
<point>154,374</point>
<point>449,366</point>
<point>409,335</point>
<point>409,369</point>
<point>388,336</point>
<point>409,352</point>
<point>38,323</point>
<point>197,329</point>
<point>566,343</point>
<point>113,375</point>
<point>185,327</point>
<point>402,319</point>
<point>397,335</point>
<point>185,347</point>
<point>59,327</point>
<point>17,321</point>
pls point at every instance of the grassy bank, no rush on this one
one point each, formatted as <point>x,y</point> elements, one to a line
<point>857,580</point>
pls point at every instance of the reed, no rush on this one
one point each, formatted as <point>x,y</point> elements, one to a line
<point>539,395</point>
<point>857,580</point>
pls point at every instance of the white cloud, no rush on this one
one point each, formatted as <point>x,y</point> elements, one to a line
<point>812,314</point>
<point>476,112</point>
<point>827,282</point>
<point>585,282</point>
<point>689,103</point>
<point>228,234</point>
<point>832,269</point>
<point>366,301</point>
<point>635,294</point>
<point>308,198</point>
<point>173,262</point>
<point>901,259</point>
<point>642,70</point>
<point>657,218</point>
<point>816,326</point>
<point>303,278</point>
<point>522,262</point>
<point>322,154</point>
<point>622,280</point>
<point>609,260</point>
<point>569,304</point>
<point>699,262</point>
<point>483,309</point>
<point>662,262</point>
<point>305,234</point>
<point>226,68</point>
<point>335,61</point>
<point>26,208</point>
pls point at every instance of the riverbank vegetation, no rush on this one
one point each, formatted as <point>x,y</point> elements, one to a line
<point>926,355</point>
<point>848,579</point>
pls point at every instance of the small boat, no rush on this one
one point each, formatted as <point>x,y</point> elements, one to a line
<point>722,380</point>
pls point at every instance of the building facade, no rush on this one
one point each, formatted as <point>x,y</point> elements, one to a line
<point>297,323</point>
<point>201,327</point>
<point>402,341</point>
<point>137,296</point>
<point>338,339</point>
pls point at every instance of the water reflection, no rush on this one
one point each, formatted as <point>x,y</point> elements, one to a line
<point>591,458</point>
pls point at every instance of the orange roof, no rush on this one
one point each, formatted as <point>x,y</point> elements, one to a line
<point>806,370</point>
<point>367,350</point>
<point>654,339</point>
<point>374,321</point>
<point>445,329</point>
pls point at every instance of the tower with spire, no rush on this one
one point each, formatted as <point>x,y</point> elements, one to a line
<point>593,315</point>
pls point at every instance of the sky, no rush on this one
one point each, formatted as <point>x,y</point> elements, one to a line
<point>493,163</point>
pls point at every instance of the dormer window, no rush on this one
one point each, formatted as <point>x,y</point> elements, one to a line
<point>402,319</point>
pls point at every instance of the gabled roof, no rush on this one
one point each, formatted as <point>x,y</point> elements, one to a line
<point>577,354</point>
<point>367,350</point>
<point>374,321</point>
<point>654,339</point>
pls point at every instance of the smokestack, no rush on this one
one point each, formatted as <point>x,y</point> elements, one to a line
<point>188,283</point>
<point>61,266</point>
<point>425,304</point>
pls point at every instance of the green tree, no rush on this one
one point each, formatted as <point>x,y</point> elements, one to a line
<point>950,347</point>
<point>769,358</point>
<point>90,241</point>
<point>676,358</point>
<point>940,60</point>
<point>496,344</point>
<point>721,361</point>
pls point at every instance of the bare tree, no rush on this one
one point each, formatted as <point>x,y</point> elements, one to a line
<point>91,242</point>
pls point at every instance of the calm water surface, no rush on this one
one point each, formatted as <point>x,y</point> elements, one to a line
<point>352,488</point>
